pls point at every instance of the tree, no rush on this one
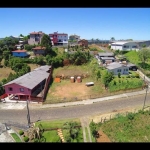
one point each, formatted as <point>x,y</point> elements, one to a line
<point>112,39</point>
<point>46,41</point>
<point>107,78</point>
<point>144,55</point>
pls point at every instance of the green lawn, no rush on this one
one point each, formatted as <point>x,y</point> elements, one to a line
<point>52,136</point>
<point>16,137</point>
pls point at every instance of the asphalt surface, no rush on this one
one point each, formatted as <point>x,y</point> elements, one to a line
<point>107,106</point>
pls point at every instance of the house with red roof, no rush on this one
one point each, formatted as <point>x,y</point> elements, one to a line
<point>39,50</point>
<point>19,53</point>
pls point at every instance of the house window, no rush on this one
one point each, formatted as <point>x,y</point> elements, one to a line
<point>21,89</point>
<point>18,53</point>
<point>119,70</point>
<point>10,89</point>
<point>134,46</point>
<point>126,69</point>
<point>125,46</point>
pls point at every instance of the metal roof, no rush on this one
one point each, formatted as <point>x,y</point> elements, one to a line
<point>114,65</point>
<point>33,78</point>
<point>106,54</point>
<point>106,58</point>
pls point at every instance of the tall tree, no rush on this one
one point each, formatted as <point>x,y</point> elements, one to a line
<point>144,54</point>
<point>46,42</point>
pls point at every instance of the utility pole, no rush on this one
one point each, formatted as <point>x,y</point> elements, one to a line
<point>28,115</point>
<point>145,96</point>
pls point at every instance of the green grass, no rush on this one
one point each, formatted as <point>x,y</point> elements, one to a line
<point>87,134</point>
<point>55,124</point>
<point>16,137</point>
<point>51,136</point>
<point>125,129</point>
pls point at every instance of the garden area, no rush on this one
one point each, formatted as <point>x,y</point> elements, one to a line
<point>130,127</point>
<point>58,131</point>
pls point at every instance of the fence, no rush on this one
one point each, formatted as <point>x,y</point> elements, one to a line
<point>86,97</point>
<point>107,117</point>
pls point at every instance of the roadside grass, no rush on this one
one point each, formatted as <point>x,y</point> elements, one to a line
<point>52,135</point>
<point>16,137</point>
<point>96,46</point>
<point>134,127</point>
<point>87,135</point>
<point>55,124</point>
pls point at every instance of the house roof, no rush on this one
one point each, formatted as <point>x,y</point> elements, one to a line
<point>58,34</point>
<point>33,78</point>
<point>19,50</point>
<point>105,54</point>
<point>39,48</point>
<point>106,58</point>
<point>36,32</point>
<point>130,65</point>
<point>115,65</point>
<point>123,42</point>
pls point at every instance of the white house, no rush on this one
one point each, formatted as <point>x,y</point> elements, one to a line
<point>125,45</point>
<point>116,67</point>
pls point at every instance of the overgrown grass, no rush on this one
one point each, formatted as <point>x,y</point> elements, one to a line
<point>130,128</point>
<point>16,137</point>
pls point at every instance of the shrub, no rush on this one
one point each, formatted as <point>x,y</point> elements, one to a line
<point>131,116</point>
<point>26,139</point>
<point>36,140</point>
<point>21,132</point>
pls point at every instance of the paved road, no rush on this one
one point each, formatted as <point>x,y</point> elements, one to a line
<point>20,116</point>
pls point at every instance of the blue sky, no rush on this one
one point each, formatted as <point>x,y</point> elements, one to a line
<point>101,23</point>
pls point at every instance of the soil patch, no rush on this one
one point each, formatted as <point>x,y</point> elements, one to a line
<point>102,137</point>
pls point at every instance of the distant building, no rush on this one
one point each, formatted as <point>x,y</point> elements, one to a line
<point>19,53</point>
<point>125,45</point>
<point>74,37</point>
<point>19,46</point>
<point>35,38</point>
<point>39,50</point>
<point>59,38</point>
<point>83,43</point>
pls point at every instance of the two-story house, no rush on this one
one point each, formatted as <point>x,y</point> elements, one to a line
<point>39,50</point>
<point>59,38</point>
<point>74,38</point>
<point>35,38</point>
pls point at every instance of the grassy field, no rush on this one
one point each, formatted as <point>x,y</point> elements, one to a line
<point>130,128</point>
<point>96,46</point>
<point>87,134</point>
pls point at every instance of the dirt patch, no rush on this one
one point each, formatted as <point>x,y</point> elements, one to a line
<point>71,89</point>
<point>102,137</point>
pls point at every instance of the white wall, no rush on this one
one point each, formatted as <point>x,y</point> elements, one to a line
<point>62,37</point>
<point>129,46</point>
<point>124,70</point>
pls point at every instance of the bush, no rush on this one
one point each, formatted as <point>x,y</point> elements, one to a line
<point>21,132</point>
<point>131,116</point>
<point>26,139</point>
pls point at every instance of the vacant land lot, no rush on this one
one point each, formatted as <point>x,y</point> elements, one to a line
<point>130,128</point>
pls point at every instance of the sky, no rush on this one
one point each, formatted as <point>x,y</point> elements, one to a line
<point>88,23</point>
